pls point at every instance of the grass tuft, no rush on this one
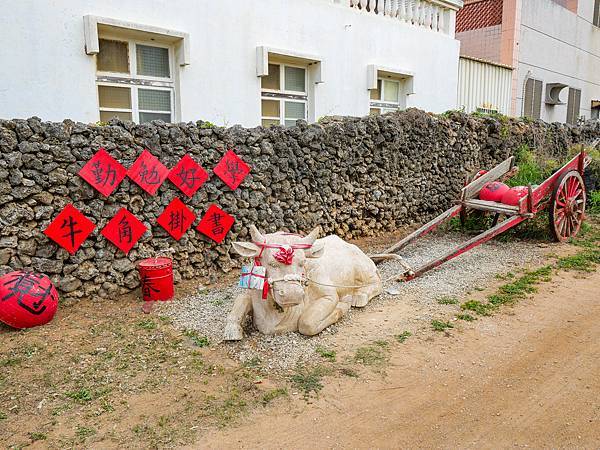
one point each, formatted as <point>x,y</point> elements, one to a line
<point>326,353</point>
<point>268,397</point>
<point>308,380</point>
<point>483,309</point>
<point>447,300</point>
<point>466,317</point>
<point>402,337</point>
<point>197,340</point>
<point>82,395</point>
<point>438,325</point>
<point>372,355</point>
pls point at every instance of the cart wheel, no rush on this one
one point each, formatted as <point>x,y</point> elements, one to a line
<point>567,206</point>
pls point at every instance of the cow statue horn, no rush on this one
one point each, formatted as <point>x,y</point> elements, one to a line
<point>312,237</point>
<point>256,235</point>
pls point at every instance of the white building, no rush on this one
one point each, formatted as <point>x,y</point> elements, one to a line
<point>553,47</point>
<point>225,61</point>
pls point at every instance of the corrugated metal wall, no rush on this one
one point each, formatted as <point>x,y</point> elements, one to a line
<point>483,86</point>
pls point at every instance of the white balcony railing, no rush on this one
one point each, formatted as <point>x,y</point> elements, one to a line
<point>436,15</point>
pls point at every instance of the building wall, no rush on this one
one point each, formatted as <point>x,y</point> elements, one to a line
<point>558,46</point>
<point>47,73</point>
<point>483,43</point>
<point>482,85</point>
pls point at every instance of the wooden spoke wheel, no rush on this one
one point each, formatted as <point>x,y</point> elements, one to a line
<point>567,206</point>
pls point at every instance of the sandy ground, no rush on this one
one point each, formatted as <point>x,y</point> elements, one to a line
<point>526,378</point>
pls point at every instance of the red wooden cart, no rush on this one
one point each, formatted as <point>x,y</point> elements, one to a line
<point>563,193</point>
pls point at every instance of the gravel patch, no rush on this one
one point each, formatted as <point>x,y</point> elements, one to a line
<point>206,311</point>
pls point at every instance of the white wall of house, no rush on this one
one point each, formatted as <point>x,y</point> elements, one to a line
<point>558,46</point>
<point>46,72</point>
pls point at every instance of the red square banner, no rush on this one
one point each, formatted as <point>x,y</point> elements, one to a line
<point>103,172</point>
<point>215,224</point>
<point>176,219</point>
<point>231,169</point>
<point>70,229</point>
<point>124,230</point>
<point>148,172</point>
<point>188,175</point>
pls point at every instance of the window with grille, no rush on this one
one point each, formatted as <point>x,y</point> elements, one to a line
<point>596,19</point>
<point>532,100</point>
<point>386,97</point>
<point>284,96</point>
<point>134,81</point>
<point>573,105</point>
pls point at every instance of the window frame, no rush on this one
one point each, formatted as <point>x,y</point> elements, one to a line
<point>134,81</point>
<point>381,105</point>
<point>282,95</point>
<point>536,104</point>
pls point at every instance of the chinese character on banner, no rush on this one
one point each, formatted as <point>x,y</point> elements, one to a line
<point>70,229</point>
<point>103,172</point>
<point>148,172</point>
<point>215,224</point>
<point>232,170</point>
<point>188,175</point>
<point>176,218</point>
<point>124,230</point>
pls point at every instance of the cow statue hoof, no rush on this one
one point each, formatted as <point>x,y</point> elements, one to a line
<point>298,283</point>
<point>233,332</point>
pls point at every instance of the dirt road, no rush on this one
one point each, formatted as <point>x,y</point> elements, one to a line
<point>526,378</point>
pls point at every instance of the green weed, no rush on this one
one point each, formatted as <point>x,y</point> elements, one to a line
<point>466,317</point>
<point>308,380</point>
<point>3,415</point>
<point>325,353</point>
<point>402,337</point>
<point>84,432</point>
<point>483,309</point>
<point>349,372</point>
<point>11,362</point>
<point>447,300</point>
<point>37,436</point>
<point>371,355</point>
<point>82,395</point>
<point>198,341</point>
<point>584,261</point>
<point>438,325</point>
<point>268,397</point>
<point>147,324</point>
<point>518,289</point>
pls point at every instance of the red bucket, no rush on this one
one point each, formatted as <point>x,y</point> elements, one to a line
<point>156,276</point>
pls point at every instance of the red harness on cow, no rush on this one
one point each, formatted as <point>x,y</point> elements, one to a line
<point>285,255</point>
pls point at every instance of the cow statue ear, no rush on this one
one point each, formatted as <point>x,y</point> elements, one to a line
<point>247,249</point>
<point>316,251</point>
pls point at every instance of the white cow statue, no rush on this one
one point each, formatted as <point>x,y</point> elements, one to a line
<point>310,283</point>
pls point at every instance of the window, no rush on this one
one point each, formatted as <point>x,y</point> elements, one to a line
<point>284,95</point>
<point>532,102</point>
<point>135,81</point>
<point>596,19</point>
<point>573,106</point>
<point>386,97</point>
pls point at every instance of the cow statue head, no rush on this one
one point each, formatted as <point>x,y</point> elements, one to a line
<point>284,257</point>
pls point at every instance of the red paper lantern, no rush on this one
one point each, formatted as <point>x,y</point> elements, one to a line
<point>493,191</point>
<point>27,299</point>
<point>513,195</point>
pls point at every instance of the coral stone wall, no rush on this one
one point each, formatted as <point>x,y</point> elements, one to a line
<point>352,176</point>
